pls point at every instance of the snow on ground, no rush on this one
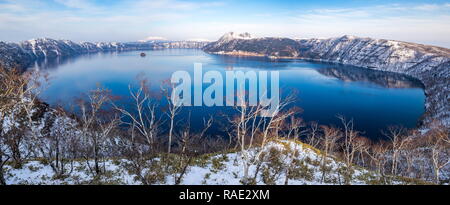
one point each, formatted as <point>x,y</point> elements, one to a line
<point>219,169</point>
<point>36,172</point>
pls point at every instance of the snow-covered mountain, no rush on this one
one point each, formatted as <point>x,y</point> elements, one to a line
<point>232,35</point>
<point>23,53</point>
<point>429,64</point>
<point>243,44</point>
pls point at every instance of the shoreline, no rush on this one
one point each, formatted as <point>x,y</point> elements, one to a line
<point>424,121</point>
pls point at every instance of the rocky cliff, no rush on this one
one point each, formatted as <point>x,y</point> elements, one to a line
<point>429,64</point>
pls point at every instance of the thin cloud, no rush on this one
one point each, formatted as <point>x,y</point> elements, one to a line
<point>77,4</point>
<point>127,20</point>
<point>153,38</point>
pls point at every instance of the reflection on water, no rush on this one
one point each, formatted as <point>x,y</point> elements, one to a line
<point>51,63</point>
<point>374,99</point>
<point>381,78</point>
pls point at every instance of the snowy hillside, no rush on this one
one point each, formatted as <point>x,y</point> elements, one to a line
<point>44,145</point>
<point>220,169</point>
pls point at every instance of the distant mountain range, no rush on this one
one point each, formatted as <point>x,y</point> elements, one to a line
<point>24,53</point>
<point>429,64</point>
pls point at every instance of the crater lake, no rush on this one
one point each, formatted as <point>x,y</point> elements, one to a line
<point>373,99</point>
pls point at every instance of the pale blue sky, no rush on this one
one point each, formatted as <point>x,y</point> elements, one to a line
<point>130,20</point>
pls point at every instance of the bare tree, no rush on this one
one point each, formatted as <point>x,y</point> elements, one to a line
<point>172,111</point>
<point>248,125</point>
<point>294,129</point>
<point>11,84</point>
<point>59,145</point>
<point>361,146</point>
<point>378,154</point>
<point>313,136</point>
<point>96,127</point>
<point>29,103</point>
<point>411,152</point>
<point>398,138</point>
<point>349,135</point>
<point>17,102</point>
<point>185,140</point>
<point>137,154</point>
<point>143,118</point>
<point>247,116</point>
<point>330,136</point>
<point>439,143</point>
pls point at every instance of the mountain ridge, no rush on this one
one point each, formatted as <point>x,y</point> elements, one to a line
<point>24,53</point>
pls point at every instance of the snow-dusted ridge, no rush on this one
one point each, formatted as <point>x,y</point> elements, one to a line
<point>24,53</point>
<point>232,35</point>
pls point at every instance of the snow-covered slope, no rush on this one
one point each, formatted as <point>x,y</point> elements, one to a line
<point>429,64</point>
<point>12,55</point>
<point>216,169</point>
<point>53,130</point>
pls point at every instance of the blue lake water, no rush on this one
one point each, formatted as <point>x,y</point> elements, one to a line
<point>374,99</point>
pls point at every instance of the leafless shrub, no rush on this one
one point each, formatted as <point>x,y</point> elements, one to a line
<point>97,126</point>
